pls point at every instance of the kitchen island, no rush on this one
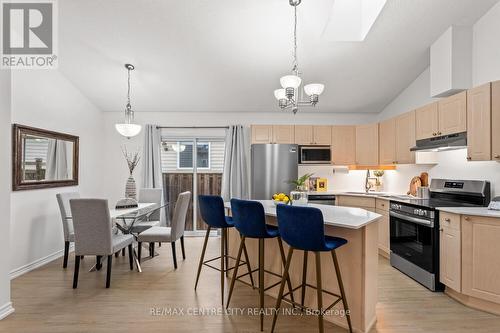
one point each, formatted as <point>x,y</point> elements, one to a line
<point>358,263</point>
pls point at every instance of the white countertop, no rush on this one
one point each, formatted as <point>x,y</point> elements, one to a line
<point>476,211</point>
<point>344,217</point>
<point>378,195</point>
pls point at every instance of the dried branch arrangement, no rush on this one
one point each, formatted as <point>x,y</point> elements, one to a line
<point>131,158</point>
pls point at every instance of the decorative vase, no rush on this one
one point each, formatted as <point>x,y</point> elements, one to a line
<point>299,196</point>
<point>131,188</point>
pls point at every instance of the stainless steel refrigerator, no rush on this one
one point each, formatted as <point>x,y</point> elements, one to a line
<point>273,165</point>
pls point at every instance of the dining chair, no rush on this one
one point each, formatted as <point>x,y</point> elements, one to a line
<point>171,234</point>
<point>93,234</point>
<point>149,195</point>
<point>69,236</point>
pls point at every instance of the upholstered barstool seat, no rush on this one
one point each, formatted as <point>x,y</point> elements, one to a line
<point>302,228</point>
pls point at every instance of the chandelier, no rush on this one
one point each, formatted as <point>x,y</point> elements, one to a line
<point>128,129</point>
<point>291,96</point>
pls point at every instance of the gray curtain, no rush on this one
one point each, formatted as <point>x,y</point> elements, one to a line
<point>57,161</point>
<point>151,163</point>
<point>236,176</point>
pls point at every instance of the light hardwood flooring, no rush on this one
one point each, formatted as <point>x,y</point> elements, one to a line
<point>45,302</point>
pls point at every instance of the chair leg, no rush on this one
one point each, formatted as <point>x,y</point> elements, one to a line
<point>77,269</point>
<point>282,287</point>
<point>98,264</point>
<point>66,253</point>
<point>123,252</point>
<point>117,254</point>
<point>222,251</point>
<point>304,279</point>
<point>226,250</point>
<point>159,244</point>
<point>319,291</point>
<point>182,248</point>
<point>131,257</point>
<point>152,249</point>
<point>342,292</point>
<point>261,282</point>
<point>108,273</point>
<point>247,260</point>
<point>283,259</point>
<point>174,256</point>
<point>202,257</point>
<point>235,272</point>
<point>139,251</point>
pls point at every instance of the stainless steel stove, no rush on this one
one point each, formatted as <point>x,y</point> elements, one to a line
<point>414,227</point>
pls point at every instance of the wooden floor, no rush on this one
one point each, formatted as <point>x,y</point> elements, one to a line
<point>45,302</point>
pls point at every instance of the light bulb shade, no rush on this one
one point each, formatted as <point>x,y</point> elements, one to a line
<point>314,89</point>
<point>290,81</point>
<point>280,94</point>
<point>128,130</point>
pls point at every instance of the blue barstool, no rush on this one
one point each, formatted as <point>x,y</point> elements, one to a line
<point>302,228</point>
<point>212,212</point>
<point>250,220</point>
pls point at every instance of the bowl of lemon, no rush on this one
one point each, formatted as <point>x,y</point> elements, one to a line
<point>281,199</point>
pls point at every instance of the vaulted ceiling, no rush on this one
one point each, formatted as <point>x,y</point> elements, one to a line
<point>228,55</point>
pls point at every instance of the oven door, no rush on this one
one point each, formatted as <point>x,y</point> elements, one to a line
<point>413,239</point>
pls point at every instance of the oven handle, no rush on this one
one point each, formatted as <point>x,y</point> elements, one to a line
<point>416,220</point>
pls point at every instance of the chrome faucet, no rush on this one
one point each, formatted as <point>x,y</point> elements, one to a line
<point>368,186</point>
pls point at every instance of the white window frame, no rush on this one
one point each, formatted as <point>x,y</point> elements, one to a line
<point>192,144</point>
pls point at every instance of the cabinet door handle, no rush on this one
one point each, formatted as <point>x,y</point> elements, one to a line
<point>439,133</point>
<point>466,218</point>
<point>434,134</point>
<point>447,220</point>
<point>497,156</point>
<point>469,158</point>
<point>441,229</point>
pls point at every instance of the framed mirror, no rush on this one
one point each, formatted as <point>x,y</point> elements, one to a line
<point>43,159</point>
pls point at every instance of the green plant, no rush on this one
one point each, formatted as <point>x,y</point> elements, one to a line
<point>301,181</point>
<point>378,173</point>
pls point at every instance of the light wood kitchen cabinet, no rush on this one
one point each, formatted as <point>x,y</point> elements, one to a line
<point>283,134</point>
<point>495,120</point>
<point>343,145</point>
<point>367,203</point>
<point>427,118</point>
<point>387,142</point>
<point>453,114</point>
<point>313,135</point>
<point>480,257</point>
<point>479,123</point>
<point>322,135</point>
<point>405,138</point>
<point>450,254</point>
<point>262,133</point>
<point>367,144</point>
<point>382,208</point>
<point>304,134</point>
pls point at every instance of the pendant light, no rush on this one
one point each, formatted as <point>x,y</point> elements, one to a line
<point>128,129</point>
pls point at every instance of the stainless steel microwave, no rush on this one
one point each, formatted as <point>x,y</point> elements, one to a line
<point>315,155</point>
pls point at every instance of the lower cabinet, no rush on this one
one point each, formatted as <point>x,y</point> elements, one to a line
<point>383,233</point>
<point>450,266</point>
<point>481,257</point>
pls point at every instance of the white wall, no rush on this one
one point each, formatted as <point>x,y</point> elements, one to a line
<point>117,171</point>
<point>46,99</point>
<point>5,186</point>
<point>486,47</point>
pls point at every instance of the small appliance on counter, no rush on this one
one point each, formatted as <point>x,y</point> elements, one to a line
<point>494,204</point>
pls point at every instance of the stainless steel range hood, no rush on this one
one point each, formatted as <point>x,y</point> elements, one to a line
<point>440,143</point>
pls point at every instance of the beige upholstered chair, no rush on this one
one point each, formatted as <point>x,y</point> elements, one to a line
<point>169,234</point>
<point>94,236</point>
<point>149,195</point>
<point>69,236</point>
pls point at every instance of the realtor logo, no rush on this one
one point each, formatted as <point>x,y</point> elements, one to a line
<point>28,34</point>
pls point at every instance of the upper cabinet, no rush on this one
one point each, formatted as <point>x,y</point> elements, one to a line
<point>495,120</point>
<point>313,135</point>
<point>405,138</point>
<point>343,145</point>
<point>453,114</point>
<point>479,123</point>
<point>367,145</point>
<point>427,121</point>
<point>447,116</point>
<point>387,143</point>
<point>273,134</point>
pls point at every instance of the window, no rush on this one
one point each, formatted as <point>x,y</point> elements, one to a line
<point>185,157</point>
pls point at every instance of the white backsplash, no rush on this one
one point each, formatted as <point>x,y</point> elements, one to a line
<point>451,164</point>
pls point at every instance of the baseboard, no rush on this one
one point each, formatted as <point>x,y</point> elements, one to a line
<point>38,263</point>
<point>6,310</point>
